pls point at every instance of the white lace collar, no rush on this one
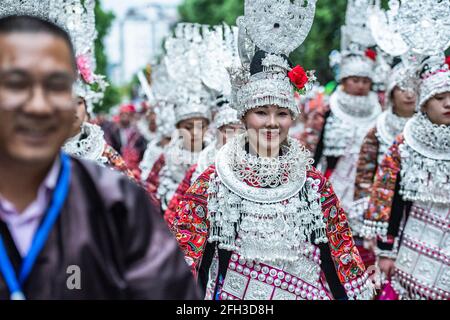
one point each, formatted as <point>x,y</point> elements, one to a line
<point>427,138</point>
<point>350,119</point>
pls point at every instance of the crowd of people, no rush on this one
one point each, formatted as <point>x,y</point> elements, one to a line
<point>238,177</point>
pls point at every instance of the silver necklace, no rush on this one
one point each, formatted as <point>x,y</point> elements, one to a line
<point>425,172</point>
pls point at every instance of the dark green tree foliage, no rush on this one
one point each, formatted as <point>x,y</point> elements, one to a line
<point>211,11</point>
<point>104,21</point>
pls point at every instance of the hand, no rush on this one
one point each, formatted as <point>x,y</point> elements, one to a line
<point>387,266</point>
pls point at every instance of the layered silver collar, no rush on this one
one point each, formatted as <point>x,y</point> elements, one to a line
<point>350,119</point>
<point>389,126</point>
<point>263,179</point>
<point>425,172</point>
<point>89,144</point>
<point>354,109</point>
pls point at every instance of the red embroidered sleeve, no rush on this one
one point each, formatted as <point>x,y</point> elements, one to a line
<point>153,177</point>
<point>171,211</point>
<point>347,261</point>
<point>367,165</point>
<point>383,188</point>
<point>190,223</point>
<point>116,161</point>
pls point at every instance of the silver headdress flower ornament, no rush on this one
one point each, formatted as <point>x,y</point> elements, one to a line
<point>183,60</point>
<point>356,57</point>
<point>268,32</point>
<point>78,19</point>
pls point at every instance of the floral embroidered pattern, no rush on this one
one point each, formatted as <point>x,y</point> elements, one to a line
<point>153,177</point>
<point>115,161</point>
<point>367,165</point>
<point>383,188</point>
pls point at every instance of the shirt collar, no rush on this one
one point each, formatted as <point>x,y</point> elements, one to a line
<point>44,190</point>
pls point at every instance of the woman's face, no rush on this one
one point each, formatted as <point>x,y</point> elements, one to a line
<point>80,116</point>
<point>268,127</point>
<point>193,131</point>
<point>357,86</point>
<point>438,109</point>
<point>404,102</point>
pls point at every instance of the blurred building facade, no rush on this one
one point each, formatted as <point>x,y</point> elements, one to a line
<point>137,34</point>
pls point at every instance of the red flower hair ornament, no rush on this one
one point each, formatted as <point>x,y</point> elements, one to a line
<point>371,54</point>
<point>300,78</point>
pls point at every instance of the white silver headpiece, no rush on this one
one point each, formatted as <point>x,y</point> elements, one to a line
<point>164,94</point>
<point>183,60</point>
<point>397,77</point>
<point>226,116</point>
<point>277,27</point>
<point>424,26</point>
<point>435,79</point>
<point>77,18</point>
<point>384,30</point>
<point>356,38</point>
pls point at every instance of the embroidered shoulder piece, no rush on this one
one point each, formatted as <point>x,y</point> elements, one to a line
<point>367,165</point>
<point>190,223</point>
<point>346,258</point>
<point>383,190</point>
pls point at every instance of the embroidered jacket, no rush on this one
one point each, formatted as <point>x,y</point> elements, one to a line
<point>343,263</point>
<point>170,213</point>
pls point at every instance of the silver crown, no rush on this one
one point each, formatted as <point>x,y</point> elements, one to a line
<point>164,95</point>
<point>425,28</point>
<point>278,26</point>
<point>356,29</point>
<point>192,105</point>
<point>400,76</point>
<point>356,64</point>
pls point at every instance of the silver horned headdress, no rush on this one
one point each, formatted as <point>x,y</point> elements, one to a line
<point>424,26</point>
<point>77,18</point>
<point>276,28</point>
<point>185,67</point>
<point>356,37</point>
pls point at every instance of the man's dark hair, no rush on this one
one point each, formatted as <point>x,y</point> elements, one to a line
<point>28,24</point>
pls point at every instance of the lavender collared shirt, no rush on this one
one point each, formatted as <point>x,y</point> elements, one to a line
<point>23,225</point>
